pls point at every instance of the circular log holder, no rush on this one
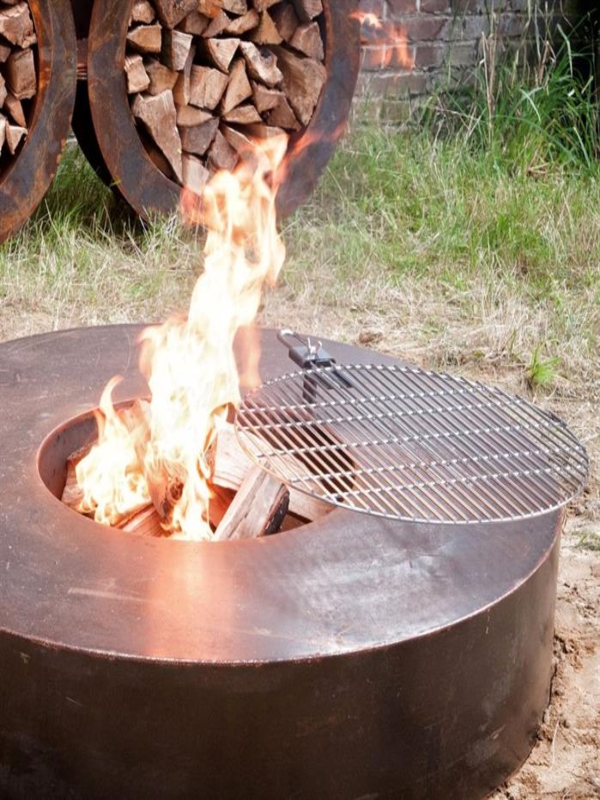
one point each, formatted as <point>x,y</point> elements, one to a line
<point>27,176</point>
<point>351,657</point>
<point>108,134</point>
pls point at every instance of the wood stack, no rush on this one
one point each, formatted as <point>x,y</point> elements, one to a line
<point>246,501</point>
<point>18,78</point>
<point>207,76</point>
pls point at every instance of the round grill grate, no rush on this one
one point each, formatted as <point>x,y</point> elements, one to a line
<point>407,444</point>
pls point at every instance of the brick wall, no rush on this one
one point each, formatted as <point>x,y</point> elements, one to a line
<point>412,47</point>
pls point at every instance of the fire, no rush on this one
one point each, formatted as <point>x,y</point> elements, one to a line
<point>189,362</point>
<point>390,41</point>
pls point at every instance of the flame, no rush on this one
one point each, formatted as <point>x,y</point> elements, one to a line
<point>113,486</point>
<point>189,362</point>
<point>390,41</point>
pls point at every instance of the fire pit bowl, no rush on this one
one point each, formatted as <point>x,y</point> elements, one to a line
<point>351,657</point>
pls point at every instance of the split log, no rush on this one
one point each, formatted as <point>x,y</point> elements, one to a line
<point>230,465</point>
<point>145,38</point>
<point>195,23</point>
<point>144,522</point>
<point>206,86</point>
<point>159,115</point>
<point>3,124</point>
<point>221,155</point>
<point>135,72</point>
<point>303,79</point>
<point>198,139</point>
<point>161,78</point>
<point>307,10</point>
<point>195,174</point>
<point>14,135</point>
<point>173,11</point>
<point>307,39</point>
<point>258,508</point>
<point>220,52</point>
<point>16,25</point>
<point>20,74</point>
<point>176,47</point>
<point>261,65</point>
<point>243,24</point>
<point>266,31</point>
<point>142,11</point>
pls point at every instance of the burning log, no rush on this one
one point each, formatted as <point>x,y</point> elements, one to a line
<point>144,522</point>
<point>230,467</point>
<point>248,66</point>
<point>258,508</point>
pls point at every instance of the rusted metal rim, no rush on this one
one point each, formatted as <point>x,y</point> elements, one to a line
<point>26,181</point>
<point>140,182</point>
<point>351,657</point>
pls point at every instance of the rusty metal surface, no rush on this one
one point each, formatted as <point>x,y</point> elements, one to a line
<point>351,657</point>
<point>140,182</point>
<point>25,183</point>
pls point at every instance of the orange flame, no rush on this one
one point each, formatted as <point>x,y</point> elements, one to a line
<point>389,41</point>
<point>189,363</point>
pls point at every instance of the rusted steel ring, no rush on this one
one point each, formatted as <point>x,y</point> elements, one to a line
<point>26,180</point>
<point>351,657</point>
<point>133,173</point>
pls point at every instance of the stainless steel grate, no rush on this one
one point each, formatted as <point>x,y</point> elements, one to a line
<point>408,444</point>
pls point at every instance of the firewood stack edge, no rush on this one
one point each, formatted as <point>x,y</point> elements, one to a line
<point>205,77</point>
<point>18,78</point>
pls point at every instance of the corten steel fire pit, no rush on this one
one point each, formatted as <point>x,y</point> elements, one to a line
<point>351,657</point>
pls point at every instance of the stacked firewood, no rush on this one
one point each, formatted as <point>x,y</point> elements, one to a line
<point>207,76</point>
<point>18,79</point>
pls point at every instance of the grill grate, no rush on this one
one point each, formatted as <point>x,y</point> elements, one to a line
<point>407,444</point>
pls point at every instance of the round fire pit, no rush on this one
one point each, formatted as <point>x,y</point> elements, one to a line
<point>351,657</point>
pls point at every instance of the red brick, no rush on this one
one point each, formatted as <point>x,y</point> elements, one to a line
<point>425,29</point>
<point>429,55</point>
<point>399,7</point>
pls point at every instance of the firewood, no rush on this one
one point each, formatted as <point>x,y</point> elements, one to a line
<point>3,124</point>
<point>242,115</point>
<point>307,10</point>
<point>198,139</point>
<point>145,38</point>
<point>181,90</point>
<point>238,140</point>
<point>135,72</point>
<point>303,79</point>
<point>161,78</point>
<point>142,11</point>
<point>3,91</point>
<point>282,116</point>
<point>207,86</point>
<point>195,23</point>
<point>221,154</point>
<point>243,24</point>
<point>307,39</point>
<point>173,11</point>
<point>144,522</point>
<point>229,466</point>
<point>261,131</point>
<point>195,174</point>
<point>266,31</point>
<point>238,88</point>
<point>220,52</point>
<point>210,8</point>
<point>286,20</point>
<point>263,5</point>
<point>176,47</point>
<point>219,502</point>
<point>14,136</point>
<point>16,25</point>
<point>216,25</point>
<point>265,99</point>
<point>15,108</point>
<point>262,65</point>
<point>236,7</point>
<point>20,74</point>
<point>159,115</point>
<point>258,509</point>
<point>5,51</point>
<point>190,116</point>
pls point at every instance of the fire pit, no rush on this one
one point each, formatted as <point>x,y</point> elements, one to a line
<point>352,657</point>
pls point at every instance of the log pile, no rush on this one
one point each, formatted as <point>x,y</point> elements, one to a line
<point>207,76</point>
<point>246,501</point>
<point>18,78</point>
